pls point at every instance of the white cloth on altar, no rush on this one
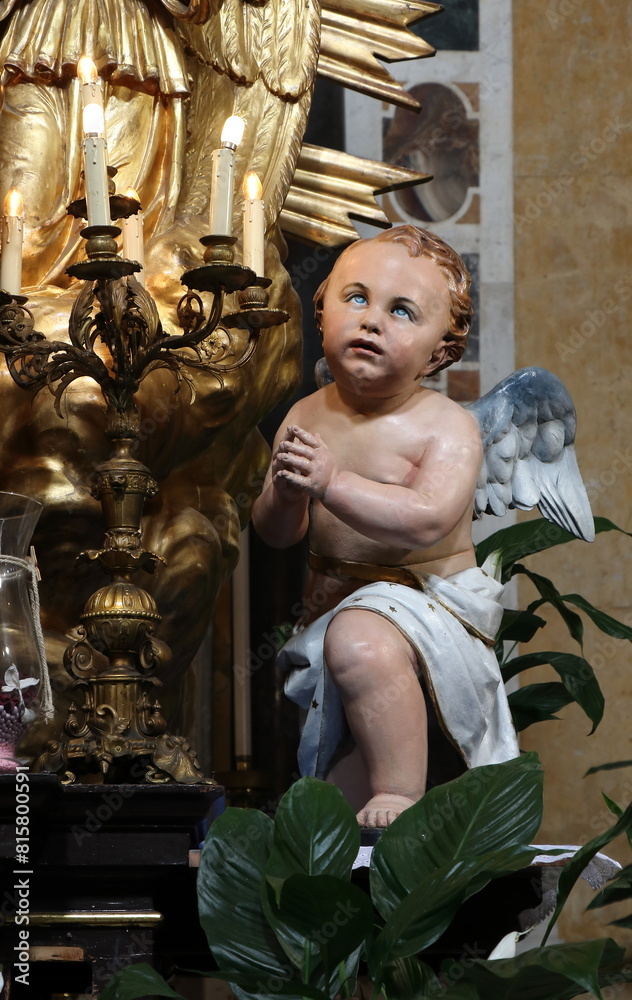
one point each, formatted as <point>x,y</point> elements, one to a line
<point>443,623</point>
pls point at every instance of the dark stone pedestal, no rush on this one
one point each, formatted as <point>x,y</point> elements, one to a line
<point>107,881</point>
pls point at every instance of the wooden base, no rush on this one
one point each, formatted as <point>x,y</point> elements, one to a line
<point>109,878</point>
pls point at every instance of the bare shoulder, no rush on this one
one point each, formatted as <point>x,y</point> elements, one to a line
<point>450,422</point>
<point>304,413</point>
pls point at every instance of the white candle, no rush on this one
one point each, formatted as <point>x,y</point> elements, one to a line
<point>241,648</point>
<point>133,238</point>
<point>254,225</point>
<point>91,84</point>
<point>94,145</point>
<point>223,177</point>
<point>12,237</point>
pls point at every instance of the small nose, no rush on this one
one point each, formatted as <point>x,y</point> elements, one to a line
<point>371,320</point>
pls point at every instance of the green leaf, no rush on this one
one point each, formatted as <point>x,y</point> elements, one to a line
<point>138,981</point>
<point>617,811</point>
<point>608,624</point>
<point>408,977</point>
<point>425,913</point>
<point>612,766</point>
<point>551,595</point>
<point>578,677</point>
<point>421,917</point>
<point>525,539</point>
<point>275,986</point>
<point>521,540</point>
<point>537,703</point>
<point>320,921</point>
<point>573,868</point>
<point>348,973</point>
<point>552,973</point>
<point>519,626</point>
<point>488,809</point>
<point>233,860</point>
<point>315,832</point>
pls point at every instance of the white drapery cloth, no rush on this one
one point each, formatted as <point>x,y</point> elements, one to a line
<point>450,624</point>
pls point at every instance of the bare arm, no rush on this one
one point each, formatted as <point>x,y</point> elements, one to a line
<point>410,517</point>
<point>280,514</point>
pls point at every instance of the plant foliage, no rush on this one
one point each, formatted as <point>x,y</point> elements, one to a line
<point>283,918</point>
<point>577,681</point>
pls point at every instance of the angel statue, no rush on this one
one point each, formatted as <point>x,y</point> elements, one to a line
<point>387,474</point>
<point>173,71</point>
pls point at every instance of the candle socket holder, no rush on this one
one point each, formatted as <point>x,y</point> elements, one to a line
<point>17,324</point>
<point>121,206</point>
<point>253,308</point>
<point>219,272</point>
<point>104,260</point>
<point>8,298</point>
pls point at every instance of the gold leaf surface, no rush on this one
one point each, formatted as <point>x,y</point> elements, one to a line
<point>330,188</point>
<point>355,34</point>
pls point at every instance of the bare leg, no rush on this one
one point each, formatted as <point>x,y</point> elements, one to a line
<point>374,668</point>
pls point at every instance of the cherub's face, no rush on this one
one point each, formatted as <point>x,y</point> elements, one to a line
<point>384,319</point>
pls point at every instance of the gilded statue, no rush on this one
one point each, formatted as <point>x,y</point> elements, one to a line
<point>173,72</point>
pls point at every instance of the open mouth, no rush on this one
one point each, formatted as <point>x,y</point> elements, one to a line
<point>369,346</point>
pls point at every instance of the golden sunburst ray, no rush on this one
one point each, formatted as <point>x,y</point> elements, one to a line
<point>330,188</point>
<point>356,33</point>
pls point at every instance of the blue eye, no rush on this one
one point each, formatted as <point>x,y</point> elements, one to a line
<point>402,311</point>
<point>359,298</point>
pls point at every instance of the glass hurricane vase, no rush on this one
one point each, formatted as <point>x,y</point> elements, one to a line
<point>20,659</point>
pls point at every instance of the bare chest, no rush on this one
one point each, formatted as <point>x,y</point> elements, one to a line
<point>383,450</point>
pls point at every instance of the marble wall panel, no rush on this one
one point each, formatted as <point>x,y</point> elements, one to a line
<point>573,259</point>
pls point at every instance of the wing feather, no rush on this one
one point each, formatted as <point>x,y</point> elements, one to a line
<point>528,426</point>
<point>274,42</point>
<point>272,94</point>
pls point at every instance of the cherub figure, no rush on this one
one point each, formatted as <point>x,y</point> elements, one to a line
<point>384,472</point>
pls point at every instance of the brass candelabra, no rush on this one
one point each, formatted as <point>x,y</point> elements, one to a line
<point>114,730</point>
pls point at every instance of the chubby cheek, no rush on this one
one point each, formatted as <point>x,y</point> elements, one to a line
<point>407,353</point>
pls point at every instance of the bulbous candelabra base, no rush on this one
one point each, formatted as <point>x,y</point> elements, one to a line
<point>115,731</point>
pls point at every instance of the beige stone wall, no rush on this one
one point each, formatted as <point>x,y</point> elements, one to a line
<point>573,243</point>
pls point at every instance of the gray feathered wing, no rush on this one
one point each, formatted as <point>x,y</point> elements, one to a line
<point>528,426</point>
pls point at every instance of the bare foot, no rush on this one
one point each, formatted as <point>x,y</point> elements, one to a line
<point>382,809</point>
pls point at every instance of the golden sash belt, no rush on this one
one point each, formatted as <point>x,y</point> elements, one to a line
<point>368,572</point>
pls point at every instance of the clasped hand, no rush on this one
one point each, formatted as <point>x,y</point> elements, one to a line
<point>302,464</point>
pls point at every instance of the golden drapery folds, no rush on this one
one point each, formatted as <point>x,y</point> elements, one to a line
<point>173,73</point>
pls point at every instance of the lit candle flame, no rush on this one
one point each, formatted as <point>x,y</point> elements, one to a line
<point>233,130</point>
<point>132,193</point>
<point>252,186</point>
<point>87,71</point>
<point>13,204</point>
